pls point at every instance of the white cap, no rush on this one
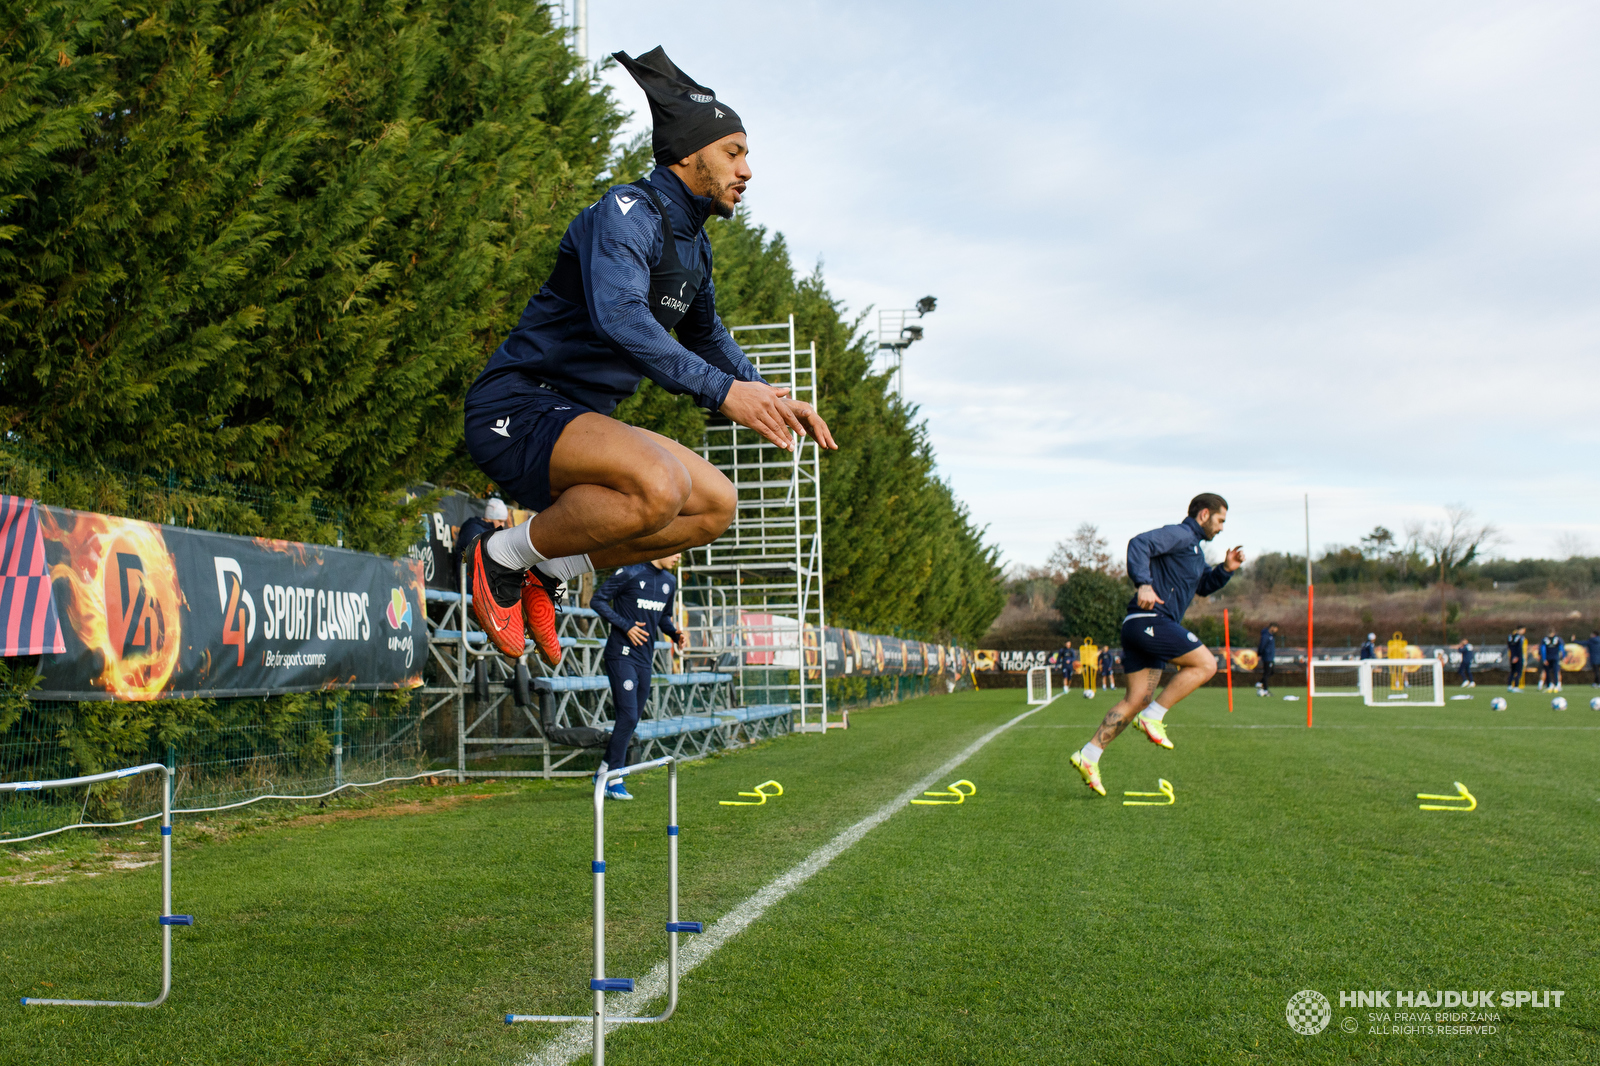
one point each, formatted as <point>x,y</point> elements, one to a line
<point>1372,636</point>
<point>495,509</point>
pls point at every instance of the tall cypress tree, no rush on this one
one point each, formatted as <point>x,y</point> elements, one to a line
<point>276,241</point>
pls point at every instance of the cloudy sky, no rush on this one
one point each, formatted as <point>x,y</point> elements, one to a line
<point>1254,248</point>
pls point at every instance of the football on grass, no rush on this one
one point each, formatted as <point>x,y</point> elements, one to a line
<point>1497,704</point>
<point>1559,703</point>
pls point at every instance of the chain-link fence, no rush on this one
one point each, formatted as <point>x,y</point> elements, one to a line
<point>227,753</point>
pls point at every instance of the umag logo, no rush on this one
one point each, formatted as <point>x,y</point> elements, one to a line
<point>1308,1012</point>
<point>399,612</point>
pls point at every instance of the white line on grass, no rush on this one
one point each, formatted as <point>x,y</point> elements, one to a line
<point>1300,725</point>
<point>578,1039</point>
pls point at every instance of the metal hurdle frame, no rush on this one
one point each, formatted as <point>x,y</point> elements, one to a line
<point>1032,702</point>
<point>167,918</point>
<point>600,984</point>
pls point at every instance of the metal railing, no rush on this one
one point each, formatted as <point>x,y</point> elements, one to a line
<point>166,919</point>
<point>600,983</point>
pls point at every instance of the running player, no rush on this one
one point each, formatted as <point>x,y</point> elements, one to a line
<point>635,601</point>
<point>1169,568</point>
<point>631,267</point>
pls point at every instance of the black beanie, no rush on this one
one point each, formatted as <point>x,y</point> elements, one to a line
<point>686,116</point>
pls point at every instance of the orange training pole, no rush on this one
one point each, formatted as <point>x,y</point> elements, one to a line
<point>1227,657</point>
<point>1311,611</point>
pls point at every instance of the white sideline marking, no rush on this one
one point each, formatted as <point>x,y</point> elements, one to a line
<point>1301,725</point>
<point>578,1039</point>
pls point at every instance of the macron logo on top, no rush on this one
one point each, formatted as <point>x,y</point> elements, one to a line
<point>626,203</point>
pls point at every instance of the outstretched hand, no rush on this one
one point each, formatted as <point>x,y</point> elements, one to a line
<point>811,424</point>
<point>1235,558</point>
<point>768,410</point>
<point>1146,597</point>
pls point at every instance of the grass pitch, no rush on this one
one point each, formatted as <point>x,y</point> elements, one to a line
<point>1036,922</point>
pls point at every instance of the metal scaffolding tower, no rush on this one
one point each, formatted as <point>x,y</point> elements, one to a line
<point>753,599</point>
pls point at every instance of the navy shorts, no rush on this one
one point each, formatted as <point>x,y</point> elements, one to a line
<point>512,431</point>
<point>1148,641</point>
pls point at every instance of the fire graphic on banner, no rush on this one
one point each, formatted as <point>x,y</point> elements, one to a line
<point>124,599</point>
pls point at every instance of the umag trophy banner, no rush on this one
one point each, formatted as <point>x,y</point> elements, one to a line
<point>155,612</point>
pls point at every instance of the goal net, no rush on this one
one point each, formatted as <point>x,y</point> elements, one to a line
<point>1381,682</point>
<point>1334,678</point>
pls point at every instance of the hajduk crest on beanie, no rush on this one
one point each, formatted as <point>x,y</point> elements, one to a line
<point>685,116</point>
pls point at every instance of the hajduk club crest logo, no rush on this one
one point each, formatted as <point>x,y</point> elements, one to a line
<point>1308,1012</point>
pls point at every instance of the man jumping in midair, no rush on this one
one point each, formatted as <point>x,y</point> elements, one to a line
<point>631,267</point>
<point>1169,568</point>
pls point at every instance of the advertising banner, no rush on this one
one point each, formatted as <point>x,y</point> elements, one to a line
<point>440,528</point>
<point>155,612</point>
<point>851,654</point>
<point>1009,661</point>
<point>28,621</point>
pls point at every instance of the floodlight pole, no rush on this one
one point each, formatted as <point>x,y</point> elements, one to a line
<point>580,28</point>
<point>897,331</point>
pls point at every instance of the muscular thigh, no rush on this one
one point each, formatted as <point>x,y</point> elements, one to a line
<point>598,450</point>
<point>1198,657</point>
<point>711,488</point>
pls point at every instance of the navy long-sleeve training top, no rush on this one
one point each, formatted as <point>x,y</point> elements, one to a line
<point>1267,646</point>
<point>595,353</point>
<point>638,593</point>
<point>1552,649</point>
<point>1171,561</point>
<point>1515,644</point>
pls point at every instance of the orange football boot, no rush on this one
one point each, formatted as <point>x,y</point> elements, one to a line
<point>540,594</point>
<point>495,591</point>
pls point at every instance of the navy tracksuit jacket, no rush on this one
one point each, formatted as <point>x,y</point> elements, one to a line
<point>638,593</point>
<point>595,352</point>
<point>1171,561</point>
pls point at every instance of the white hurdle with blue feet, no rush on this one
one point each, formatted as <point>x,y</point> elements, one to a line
<point>600,984</point>
<point>167,918</point>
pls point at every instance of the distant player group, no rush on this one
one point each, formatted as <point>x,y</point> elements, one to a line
<point>1552,650</point>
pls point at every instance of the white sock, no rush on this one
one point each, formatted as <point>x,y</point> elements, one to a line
<point>1155,712</point>
<point>511,547</point>
<point>1091,752</point>
<point>567,567</point>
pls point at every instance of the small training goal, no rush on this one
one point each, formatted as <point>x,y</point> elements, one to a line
<point>1380,682</point>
